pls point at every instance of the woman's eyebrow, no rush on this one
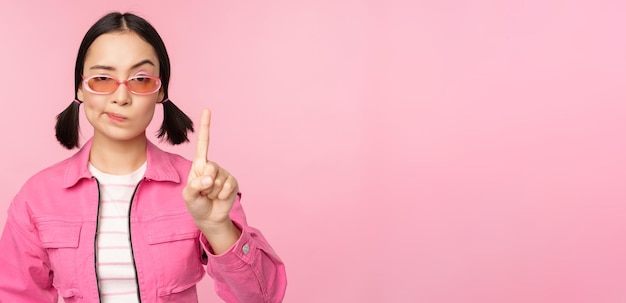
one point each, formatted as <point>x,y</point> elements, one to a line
<point>106,67</point>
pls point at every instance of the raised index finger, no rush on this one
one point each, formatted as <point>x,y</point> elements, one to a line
<point>202,146</point>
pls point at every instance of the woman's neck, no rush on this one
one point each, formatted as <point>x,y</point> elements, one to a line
<point>118,157</point>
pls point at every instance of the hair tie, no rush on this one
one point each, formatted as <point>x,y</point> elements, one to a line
<point>165,100</point>
<point>78,101</point>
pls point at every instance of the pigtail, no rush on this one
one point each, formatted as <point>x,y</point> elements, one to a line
<point>67,126</point>
<point>176,124</point>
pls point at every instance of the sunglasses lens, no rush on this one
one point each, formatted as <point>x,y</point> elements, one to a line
<point>102,84</point>
<point>144,85</point>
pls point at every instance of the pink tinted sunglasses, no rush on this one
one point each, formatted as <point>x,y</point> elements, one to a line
<point>105,84</point>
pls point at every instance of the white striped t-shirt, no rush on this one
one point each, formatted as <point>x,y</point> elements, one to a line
<point>114,261</point>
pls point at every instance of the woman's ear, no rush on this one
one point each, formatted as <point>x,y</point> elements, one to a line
<point>160,96</point>
<point>79,93</point>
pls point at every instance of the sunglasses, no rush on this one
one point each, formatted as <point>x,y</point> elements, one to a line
<point>139,85</point>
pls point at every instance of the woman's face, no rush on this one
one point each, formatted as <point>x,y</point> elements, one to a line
<point>121,115</point>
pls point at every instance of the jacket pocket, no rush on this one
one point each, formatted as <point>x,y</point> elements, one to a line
<point>172,227</point>
<point>61,240</point>
<point>174,242</point>
<point>59,234</point>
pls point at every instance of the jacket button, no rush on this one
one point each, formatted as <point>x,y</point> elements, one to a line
<point>245,249</point>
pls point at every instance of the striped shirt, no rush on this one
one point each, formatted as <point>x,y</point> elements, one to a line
<point>114,260</point>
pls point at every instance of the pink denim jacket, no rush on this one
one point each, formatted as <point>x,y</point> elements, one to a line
<point>47,247</point>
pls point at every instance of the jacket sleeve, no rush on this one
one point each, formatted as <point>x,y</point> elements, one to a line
<point>25,275</point>
<point>250,271</point>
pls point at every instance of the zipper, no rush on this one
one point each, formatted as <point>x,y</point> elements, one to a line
<point>130,235</point>
<point>95,242</point>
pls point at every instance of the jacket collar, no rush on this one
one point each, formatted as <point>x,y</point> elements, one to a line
<point>158,167</point>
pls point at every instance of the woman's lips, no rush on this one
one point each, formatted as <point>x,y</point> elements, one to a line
<point>116,117</point>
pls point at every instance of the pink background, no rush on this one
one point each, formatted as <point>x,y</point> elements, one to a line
<point>391,151</point>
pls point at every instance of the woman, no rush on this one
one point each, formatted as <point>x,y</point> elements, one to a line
<point>108,224</point>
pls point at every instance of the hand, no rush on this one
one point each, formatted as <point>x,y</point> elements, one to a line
<point>210,191</point>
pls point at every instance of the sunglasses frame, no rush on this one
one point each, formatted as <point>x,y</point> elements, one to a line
<point>125,82</point>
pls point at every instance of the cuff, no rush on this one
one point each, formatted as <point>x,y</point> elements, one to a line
<point>241,253</point>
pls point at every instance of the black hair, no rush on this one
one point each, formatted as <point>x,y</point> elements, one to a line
<point>176,124</point>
